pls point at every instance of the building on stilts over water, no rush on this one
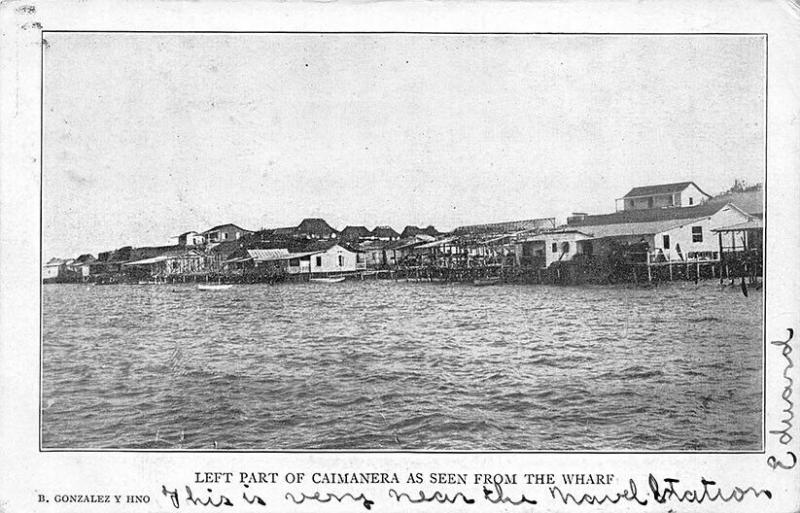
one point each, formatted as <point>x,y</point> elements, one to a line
<point>679,237</point>
<point>662,232</point>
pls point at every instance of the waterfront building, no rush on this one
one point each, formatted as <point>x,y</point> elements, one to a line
<point>219,253</point>
<point>741,248</point>
<point>177,262</point>
<point>380,254</point>
<point>545,248</point>
<point>82,266</point>
<point>679,194</point>
<point>669,234</point>
<point>54,269</point>
<point>317,257</point>
<point>377,254</point>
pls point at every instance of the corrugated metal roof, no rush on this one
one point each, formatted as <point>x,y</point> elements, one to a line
<point>272,255</point>
<point>147,261</point>
<point>509,226</point>
<point>265,255</point>
<point>751,202</point>
<point>752,224</point>
<point>437,243</point>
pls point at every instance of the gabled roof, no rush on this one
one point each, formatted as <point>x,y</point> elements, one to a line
<point>431,230</point>
<point>384,232</point>
<point>354,232</point>
<point>410,231</point>
<point>664,188</point>
<point>315,225</point>
<point>649,221</point>
<point>751,202</point>
<point>651,215</point>
<point>55,261</point>
<point>220,226</point>
<point>266,255</point>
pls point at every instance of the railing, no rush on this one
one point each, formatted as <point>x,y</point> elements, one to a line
<point>666,256</point>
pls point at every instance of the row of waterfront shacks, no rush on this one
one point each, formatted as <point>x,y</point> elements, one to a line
<point>673,226</point>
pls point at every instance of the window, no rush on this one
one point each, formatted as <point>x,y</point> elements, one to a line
<point>555,247</point>
<point>565,247</point>
<point>697,234</point>
<point>691,200</point>
<point>224,235</point>
<point>341,261</point>
<point>294,262</point>
<point>319,261</point>
<point>666,241</point>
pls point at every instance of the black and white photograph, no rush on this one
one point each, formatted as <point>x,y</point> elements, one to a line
<point>403,241</point>
<point>399,257</point>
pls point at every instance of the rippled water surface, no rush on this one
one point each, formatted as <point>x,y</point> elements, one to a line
<point>402,366</point>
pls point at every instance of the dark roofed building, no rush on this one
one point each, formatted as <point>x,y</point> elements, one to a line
<point>85,258</point>
<point>354,233</point>
<point>430,230</point>
<point>410,231</point>
<point>384,233</point>
<point>316,228</point>
<point>678,194</point>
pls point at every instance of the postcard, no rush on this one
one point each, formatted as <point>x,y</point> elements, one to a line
<point>527,256</point>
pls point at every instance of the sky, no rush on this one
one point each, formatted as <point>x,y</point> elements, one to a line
<point>147,136</point>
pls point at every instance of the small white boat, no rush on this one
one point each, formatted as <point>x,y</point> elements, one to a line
<point>214,287</point>
<point>338,279</point>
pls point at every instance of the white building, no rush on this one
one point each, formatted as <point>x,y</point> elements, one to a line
<point>324,257</point>
<point>671,234</point>
<point>681,194</point>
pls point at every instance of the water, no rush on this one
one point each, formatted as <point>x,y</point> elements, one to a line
<point>402,366</point>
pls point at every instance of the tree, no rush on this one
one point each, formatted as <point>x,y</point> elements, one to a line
<point>741,185</point>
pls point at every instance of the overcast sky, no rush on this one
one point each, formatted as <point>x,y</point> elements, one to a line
<point>150,135</point>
